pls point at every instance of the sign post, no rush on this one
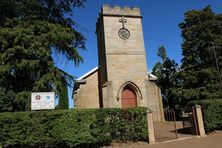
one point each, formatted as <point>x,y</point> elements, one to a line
<point>42,100</point>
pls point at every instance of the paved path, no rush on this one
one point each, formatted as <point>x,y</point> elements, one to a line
<point>211,141</point>
<point>166,131</point>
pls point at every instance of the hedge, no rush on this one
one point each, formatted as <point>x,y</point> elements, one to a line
<point>72,128</point>
<point>212,113</point>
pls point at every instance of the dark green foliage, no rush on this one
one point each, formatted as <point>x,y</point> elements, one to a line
<point>63,97</point>
<point>212,113</point>
<point>9,101</point>
<point>73,128</point>
<point>198,78</point>
<point>6,100</point>
<point>202,31</point>
<point>30,31</point>
<point>53,11</point>
<point>22,101</point>
<point>165,71</point>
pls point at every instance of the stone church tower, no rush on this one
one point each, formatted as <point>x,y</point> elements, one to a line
<point>121,78</point>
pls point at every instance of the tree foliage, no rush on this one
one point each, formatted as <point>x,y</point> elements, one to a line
<point>30,30</point>
<point>199,77</point>
<point>63,97</point>
<point>165,71</point>
<point>6,100</point>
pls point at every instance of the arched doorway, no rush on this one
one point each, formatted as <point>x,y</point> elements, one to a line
<point>128,98</point>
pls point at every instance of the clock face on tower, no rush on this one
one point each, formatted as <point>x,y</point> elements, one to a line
<point>124,33</point>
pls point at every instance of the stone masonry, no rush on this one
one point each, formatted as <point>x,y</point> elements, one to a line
<point>122,63</point>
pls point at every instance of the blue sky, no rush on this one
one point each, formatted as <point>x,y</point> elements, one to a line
<point>160,27</point>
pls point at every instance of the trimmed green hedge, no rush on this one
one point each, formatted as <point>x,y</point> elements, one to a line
<point>72,128</point>
<point>212,113</point>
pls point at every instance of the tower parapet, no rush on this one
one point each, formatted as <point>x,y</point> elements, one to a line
<point>117,11</point>
<point>122,11</point>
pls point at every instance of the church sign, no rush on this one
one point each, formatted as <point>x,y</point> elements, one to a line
<point>42,100</point>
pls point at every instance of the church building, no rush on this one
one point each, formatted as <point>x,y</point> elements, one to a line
<point>121,79</point>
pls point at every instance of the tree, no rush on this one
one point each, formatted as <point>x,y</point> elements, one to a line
<point>6,100</point>
<point>29,32</point>
<point>165,71</point>
<point>63,97</point>
<point>199,77</point>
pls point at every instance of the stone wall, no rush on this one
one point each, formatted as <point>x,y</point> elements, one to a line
<point>87,96</point>
<point>154,101</point>
<point>121,63</point>
<point>125,60</point>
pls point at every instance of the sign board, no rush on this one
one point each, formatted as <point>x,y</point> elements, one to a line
<point>42,100</point>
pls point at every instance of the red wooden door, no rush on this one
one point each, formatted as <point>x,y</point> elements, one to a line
<point>128,98</point>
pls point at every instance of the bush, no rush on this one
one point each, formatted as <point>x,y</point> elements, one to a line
<point>11,102</point>
<point>72,128</point>
<point>6,100</point>
<point>212,113</point>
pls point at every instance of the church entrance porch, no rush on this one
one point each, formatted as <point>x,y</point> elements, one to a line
<point>128,98</point>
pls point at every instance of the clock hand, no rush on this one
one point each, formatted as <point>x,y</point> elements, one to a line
<point>123,34</point>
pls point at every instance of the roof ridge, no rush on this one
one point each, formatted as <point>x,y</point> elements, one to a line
<point>88,73</point>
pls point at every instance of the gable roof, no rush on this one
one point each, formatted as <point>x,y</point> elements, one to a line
<point>151,76</point>
<point>88,73</point>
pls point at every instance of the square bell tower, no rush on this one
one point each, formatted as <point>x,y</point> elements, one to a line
<point>122,70</point>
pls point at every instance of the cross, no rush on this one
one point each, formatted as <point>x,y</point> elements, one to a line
<point>123,21</point>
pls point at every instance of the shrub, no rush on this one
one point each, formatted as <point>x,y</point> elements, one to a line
<point>212,113</point>
<point>72,128</point>
<point>10,102</point>
<point>6,100</point>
